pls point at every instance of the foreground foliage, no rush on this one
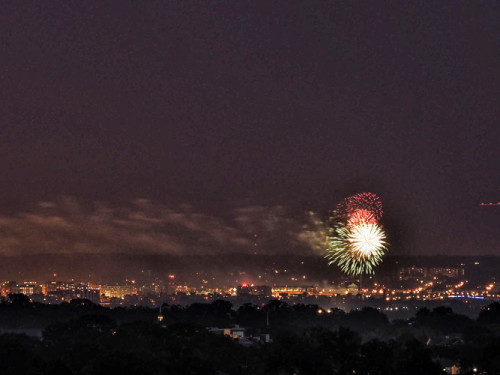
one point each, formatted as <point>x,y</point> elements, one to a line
<point>306,340</point>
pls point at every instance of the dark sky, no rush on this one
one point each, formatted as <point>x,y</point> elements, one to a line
<point>288,103</point>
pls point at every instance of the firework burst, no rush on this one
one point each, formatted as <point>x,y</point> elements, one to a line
<point>367,204</point>
<point>356,240</point>
<point>361,216</point>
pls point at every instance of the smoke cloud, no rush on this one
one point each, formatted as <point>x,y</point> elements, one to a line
<point>142,226</point>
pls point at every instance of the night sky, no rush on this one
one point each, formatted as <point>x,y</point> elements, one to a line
<point>222,115</point>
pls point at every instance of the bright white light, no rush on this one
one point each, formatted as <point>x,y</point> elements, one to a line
<point>367,238</point>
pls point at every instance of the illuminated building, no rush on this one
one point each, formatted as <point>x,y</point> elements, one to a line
<point>60,291</point>
<point>236,332</point>
<point>182,289</point>
<point>54,286</point>
<point>407,273</point>
<point>287,291</point>
<point>84,291</point>
<point>446,271</point>
<point>257,290</point>
<point>116,291</point>
<point>413,272</point>
<point>7,287</point>
<point>27,288</point>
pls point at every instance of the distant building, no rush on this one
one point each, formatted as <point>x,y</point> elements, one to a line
<point>116,291</point>
<point>59,291</point>
<point>87,292</point>
<point>27,288</point>
<point>257,290</point>
<point>236,332</point>
<point>411,273</point>
<point>452,272</point>
<point>7,287</point>
<point>55,286</point>
<point>182,289</point>
<point>287,291</point>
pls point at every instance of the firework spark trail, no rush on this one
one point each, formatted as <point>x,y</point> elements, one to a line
<point>361,216</point>
<point>357,241</point>
<point>363,202</point>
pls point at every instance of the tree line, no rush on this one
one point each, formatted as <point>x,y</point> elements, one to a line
<point>83,338</point>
